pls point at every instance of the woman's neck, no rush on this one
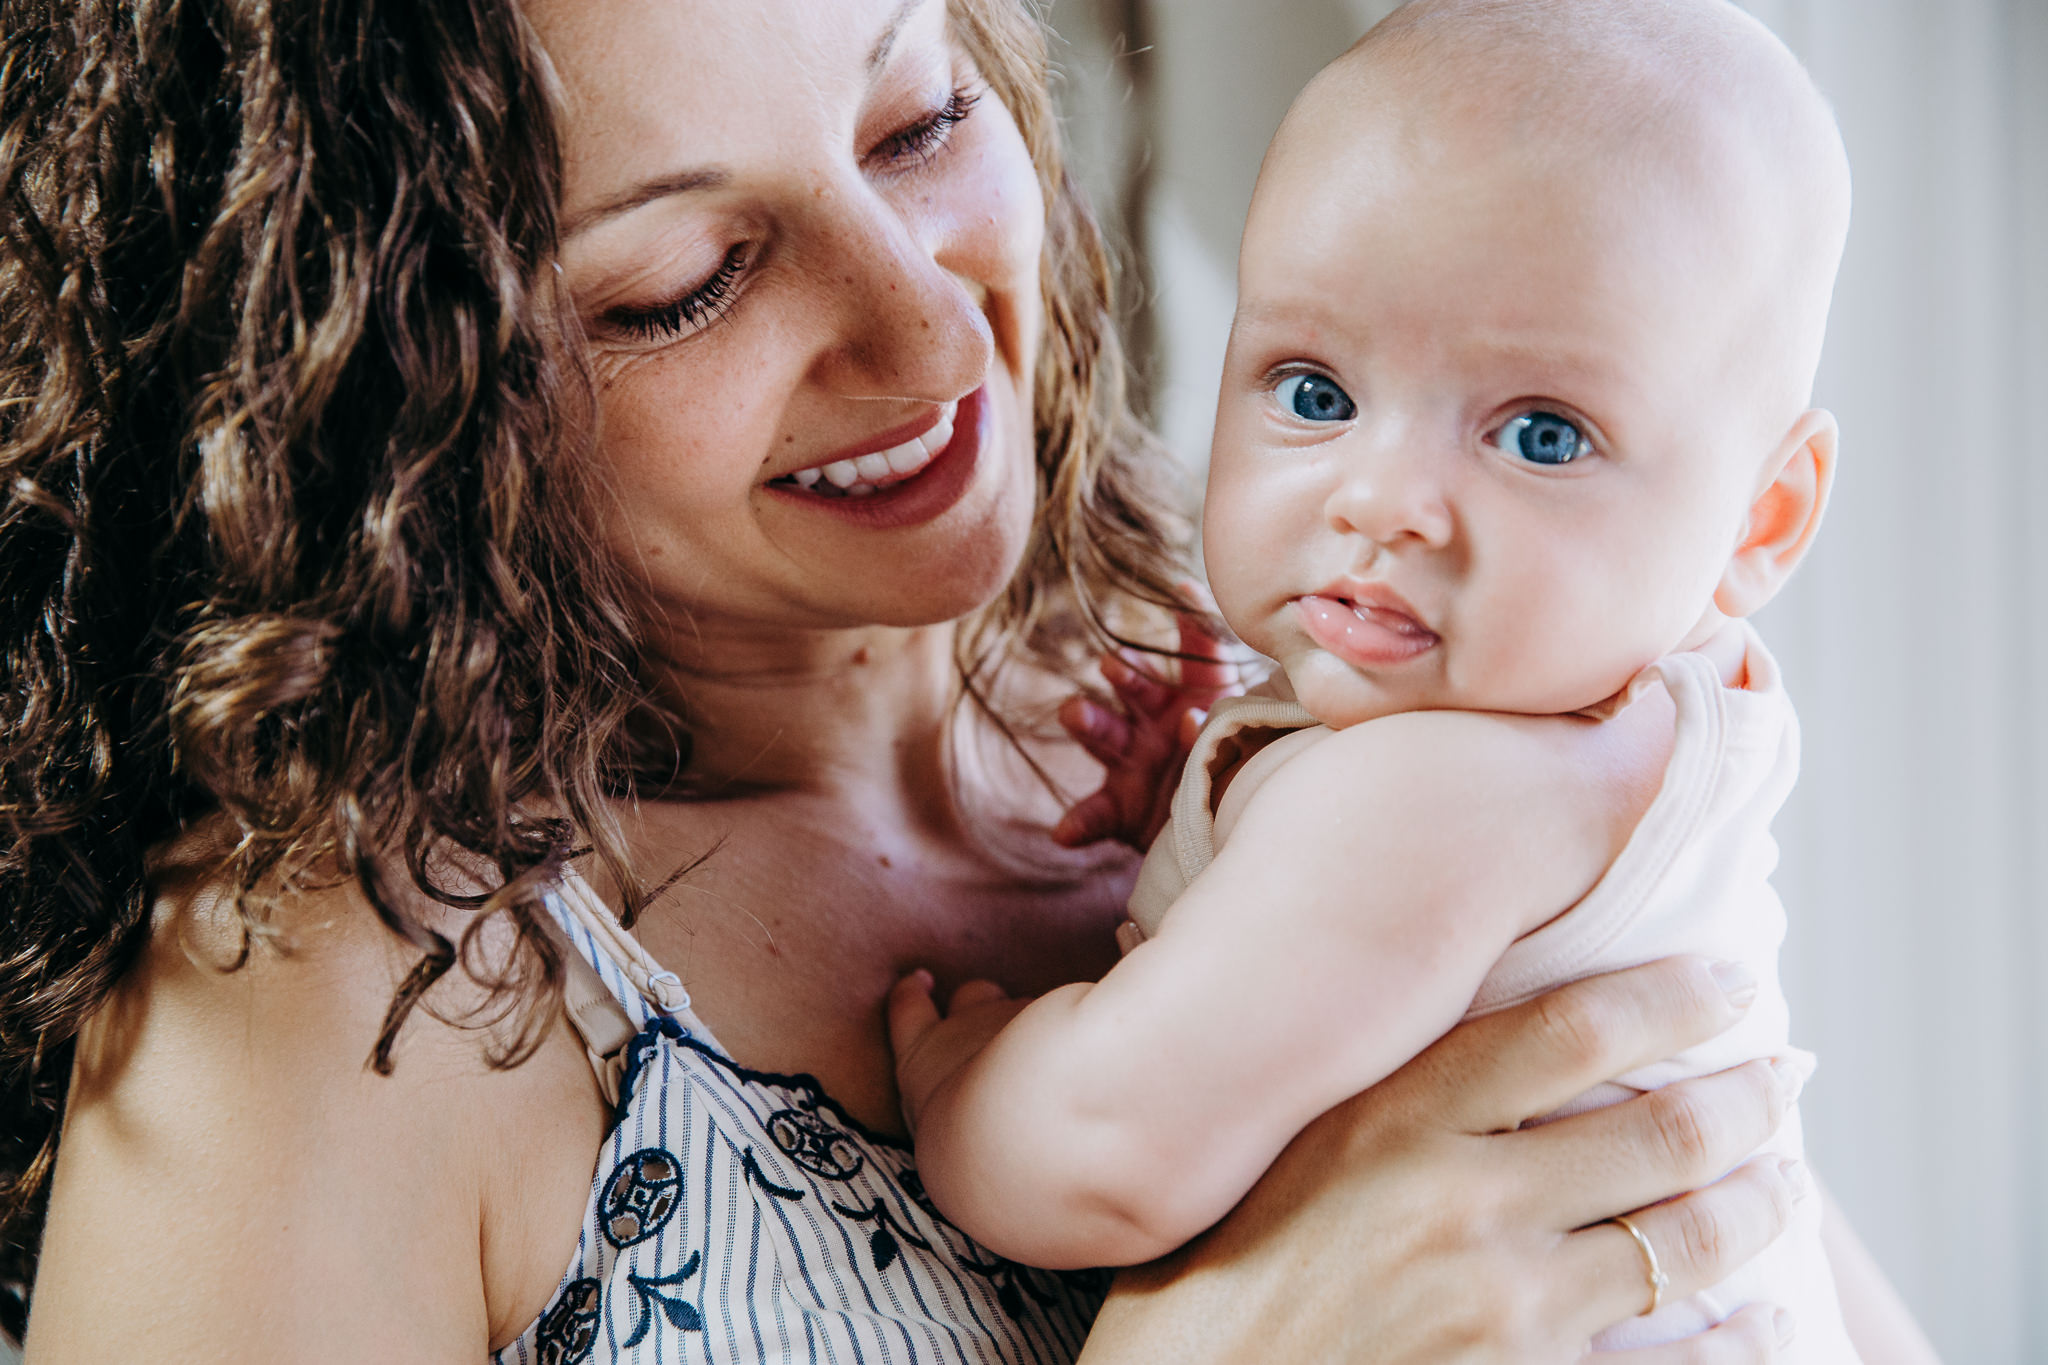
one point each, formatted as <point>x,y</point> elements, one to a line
<point>814,710</point>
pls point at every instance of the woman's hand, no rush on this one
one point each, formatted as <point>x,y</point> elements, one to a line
<point>1419,1223</point>
<point>1141,749</point>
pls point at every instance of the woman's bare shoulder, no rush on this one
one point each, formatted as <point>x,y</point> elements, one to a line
<point>234,1161</point>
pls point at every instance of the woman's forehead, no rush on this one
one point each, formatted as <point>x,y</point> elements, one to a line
<point>630,68</point>
<point>662,95</point>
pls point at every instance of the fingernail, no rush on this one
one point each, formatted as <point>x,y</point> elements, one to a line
<point>1737,982</point>
<point>1791,1079</point>
<point>1783,1324</point>
<point>1798,1178</point>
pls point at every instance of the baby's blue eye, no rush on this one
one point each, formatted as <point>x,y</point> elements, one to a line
<point>1315,398</point>
<point>1542,438</point>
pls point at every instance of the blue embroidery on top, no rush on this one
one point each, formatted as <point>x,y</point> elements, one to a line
<point>882,1242</point>
<point>814,1144</point>
<point>639,1050</point>
<point>640,1197</point>
<point>681,1313</point>
<point>752,1170</point>
<point>568,1329</point>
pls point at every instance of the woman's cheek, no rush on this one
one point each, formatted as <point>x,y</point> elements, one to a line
<point>673,454</point>
<point>990,225</point>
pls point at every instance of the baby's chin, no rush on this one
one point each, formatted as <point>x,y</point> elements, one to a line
<point>1339,695</point>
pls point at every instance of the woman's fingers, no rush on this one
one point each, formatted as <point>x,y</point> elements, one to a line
<point>1651,1147</point>
<point>1753,1336</point>
<point>1495,1073</point>
<point>1699,1241</point>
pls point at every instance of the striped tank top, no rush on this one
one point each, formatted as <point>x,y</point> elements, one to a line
<point>738,1216</point>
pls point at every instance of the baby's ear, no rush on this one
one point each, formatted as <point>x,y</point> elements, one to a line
<point>1784,515</point>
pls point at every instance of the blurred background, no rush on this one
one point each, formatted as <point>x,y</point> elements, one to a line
<point>1915,639</point>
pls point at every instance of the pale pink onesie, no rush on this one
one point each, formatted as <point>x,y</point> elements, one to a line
<point>1693,878</point>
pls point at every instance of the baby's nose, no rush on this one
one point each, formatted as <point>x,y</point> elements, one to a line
<point>1393,495</point>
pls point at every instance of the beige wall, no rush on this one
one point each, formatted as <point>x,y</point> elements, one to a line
<point>1916,639</point>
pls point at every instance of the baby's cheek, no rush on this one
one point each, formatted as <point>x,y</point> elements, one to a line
<point>1561,650</point>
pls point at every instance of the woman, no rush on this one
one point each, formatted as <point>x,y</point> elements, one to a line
<point>343,613</point>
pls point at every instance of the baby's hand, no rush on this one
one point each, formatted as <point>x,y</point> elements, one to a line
<point>1142,750</point>
<point>930,1050</point>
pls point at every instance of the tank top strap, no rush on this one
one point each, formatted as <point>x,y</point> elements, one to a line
<point>612,990</point>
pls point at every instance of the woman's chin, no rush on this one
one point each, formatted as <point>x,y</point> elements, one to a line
<point>953,569</point>
<point>921,591</point>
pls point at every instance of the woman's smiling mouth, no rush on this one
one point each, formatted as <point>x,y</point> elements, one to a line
<point>864,474</point>
<point>902,477</point>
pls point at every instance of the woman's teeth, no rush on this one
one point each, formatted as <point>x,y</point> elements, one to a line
<point>871,473</point>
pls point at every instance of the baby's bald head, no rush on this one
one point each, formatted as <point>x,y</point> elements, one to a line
<point>1689,111</point>
<point>1529,306</point>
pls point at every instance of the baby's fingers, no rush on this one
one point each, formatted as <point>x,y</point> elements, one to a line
<point>912,1011</point>
<point>1144,694</point>
<point>1105,735</point>
<point>1090,820</point>
<point>1206,669</point>
<point>973,993</point>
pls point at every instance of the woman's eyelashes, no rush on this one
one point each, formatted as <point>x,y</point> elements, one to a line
<point>1540,437</point>
<point>1313,397</point>
<point>704,304</point>
<point>922,139</point>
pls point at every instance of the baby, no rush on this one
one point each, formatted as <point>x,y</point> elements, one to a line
<point>1514,435</point>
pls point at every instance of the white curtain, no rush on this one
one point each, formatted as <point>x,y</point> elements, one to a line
<point>1915,639</point>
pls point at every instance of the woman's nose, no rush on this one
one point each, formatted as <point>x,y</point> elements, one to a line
<point>906,326</point>
<point>1394,494</point>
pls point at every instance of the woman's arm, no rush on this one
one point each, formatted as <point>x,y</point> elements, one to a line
<point>236,1184</point>
<point>1417,1223</point>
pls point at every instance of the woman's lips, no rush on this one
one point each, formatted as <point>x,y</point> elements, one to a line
<point>1364,630</point>
<point>879,463</point>
<point>909,486</point>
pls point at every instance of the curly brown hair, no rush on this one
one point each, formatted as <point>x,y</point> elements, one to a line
<point>291,522</point>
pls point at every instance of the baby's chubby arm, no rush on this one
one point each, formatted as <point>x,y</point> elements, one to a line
<point>1367,887</point>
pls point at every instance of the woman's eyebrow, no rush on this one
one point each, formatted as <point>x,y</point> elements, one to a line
<point>683,182</point>
<point>645,192</point>
<point>879,53</point>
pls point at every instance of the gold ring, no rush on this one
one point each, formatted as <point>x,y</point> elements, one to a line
<point>1659,1281</point>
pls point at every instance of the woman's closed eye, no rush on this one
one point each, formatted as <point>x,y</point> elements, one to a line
<point>1541,438</point>
<point>923,138</point>
<point>712,297</point>
<point>703,304</point>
